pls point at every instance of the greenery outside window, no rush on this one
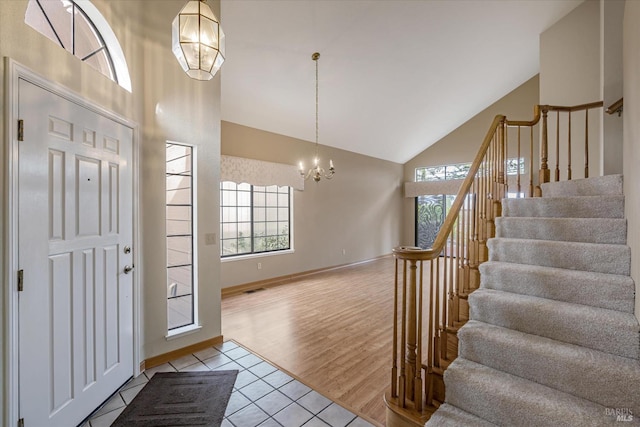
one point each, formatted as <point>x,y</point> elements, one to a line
<point>254,219</point>
<point>432,209</point>
<point>460,170</point>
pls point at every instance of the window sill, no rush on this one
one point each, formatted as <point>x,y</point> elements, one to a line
<point>180,332</point>
<point>260,255</point>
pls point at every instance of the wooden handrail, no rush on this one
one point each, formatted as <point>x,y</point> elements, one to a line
<point>538,108</point>
<point>462,243</point>
<point>536,119</point>
<point>447,226</point>
<point>451,265</point>
<point>616,107</point>
<point>580,107</point>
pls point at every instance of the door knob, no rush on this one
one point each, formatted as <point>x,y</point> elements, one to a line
<point>128,268</point>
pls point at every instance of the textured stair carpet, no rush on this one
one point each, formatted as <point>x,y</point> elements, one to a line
<point>552,339</point>
<point>611,291</point>
<point>450,416</point>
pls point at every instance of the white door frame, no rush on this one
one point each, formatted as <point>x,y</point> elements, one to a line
<point>13,72</point>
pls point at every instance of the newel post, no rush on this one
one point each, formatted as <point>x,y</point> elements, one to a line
<point>502,151</point>
<point>411,331</point>
<point>545,173</point>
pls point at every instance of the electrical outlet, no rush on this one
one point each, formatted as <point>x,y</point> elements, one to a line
<point>344,252</point>
<point>259,266</point>
<point>210,239</point>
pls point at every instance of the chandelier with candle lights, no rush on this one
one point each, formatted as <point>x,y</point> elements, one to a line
<point>317,172</point>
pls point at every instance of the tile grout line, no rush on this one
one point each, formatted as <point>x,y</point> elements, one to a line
<point>105,419</point>
<point>339,403</point>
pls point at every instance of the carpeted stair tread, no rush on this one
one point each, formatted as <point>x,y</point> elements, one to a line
<point>599,185</point>
<point>583,372</point>
<point>450,416</point>
<point>553,339</point>
<point>610,291</point>
<point>566,207</point>
<point>586,230</point>
<point>600,329</point>
<point>600,258</point>
<point>508,400</point>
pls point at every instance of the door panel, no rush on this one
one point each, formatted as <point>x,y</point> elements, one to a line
<point>111,308</point>
<point>60,322</point>
<point>75,217</point>
<point>88,196</point>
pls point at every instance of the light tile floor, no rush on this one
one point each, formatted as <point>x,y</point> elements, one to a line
<point>262,395</point>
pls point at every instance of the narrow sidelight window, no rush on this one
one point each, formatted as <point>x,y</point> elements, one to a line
<point>181,262</point>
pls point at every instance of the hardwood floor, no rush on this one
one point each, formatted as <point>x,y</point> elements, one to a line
<point>332,330</point>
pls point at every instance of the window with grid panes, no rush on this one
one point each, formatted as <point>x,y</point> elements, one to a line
<point>65,23</point>
<point>431,209</point>
<point>254,219</point>
<point>460,171</point>
<point>181,290</point>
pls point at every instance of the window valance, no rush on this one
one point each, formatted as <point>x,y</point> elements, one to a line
<point>259,172</point>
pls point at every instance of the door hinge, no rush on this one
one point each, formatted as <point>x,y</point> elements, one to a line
<point>21,422</point>
<point>20,130</point>
<point>20,280</point>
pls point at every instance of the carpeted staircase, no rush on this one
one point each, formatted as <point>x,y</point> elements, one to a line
<point>552,339</point>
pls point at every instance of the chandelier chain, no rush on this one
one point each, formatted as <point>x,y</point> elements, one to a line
<point>317,90</point>
<point>317,171</point>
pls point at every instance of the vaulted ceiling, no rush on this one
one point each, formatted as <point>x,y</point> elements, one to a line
<point>395,75</point>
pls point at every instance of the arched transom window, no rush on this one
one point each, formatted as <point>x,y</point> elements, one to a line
<point>80,28</point>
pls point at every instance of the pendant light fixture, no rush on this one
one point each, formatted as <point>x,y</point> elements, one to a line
<point>198,40</point>
<point>317,171</point>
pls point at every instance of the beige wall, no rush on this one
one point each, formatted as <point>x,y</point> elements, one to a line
<point>570,75</point>
<point>611,15</point>
<point>359,210</point>
<point>183,110</point>
<point>167,105</point>
<point>631,71</point>
<point>462,144</point>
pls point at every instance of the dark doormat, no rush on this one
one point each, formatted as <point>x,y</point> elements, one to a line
<point>180,399</point>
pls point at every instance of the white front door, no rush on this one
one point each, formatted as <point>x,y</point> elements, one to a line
<point>74,234</point>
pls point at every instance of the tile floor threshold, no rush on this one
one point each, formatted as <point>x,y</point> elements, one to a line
<point>262,395</point>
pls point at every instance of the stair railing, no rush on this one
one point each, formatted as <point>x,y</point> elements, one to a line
<point>616,107</point>
<point>545,173</point>
<point>427,316</point>
<point>451,267</point>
